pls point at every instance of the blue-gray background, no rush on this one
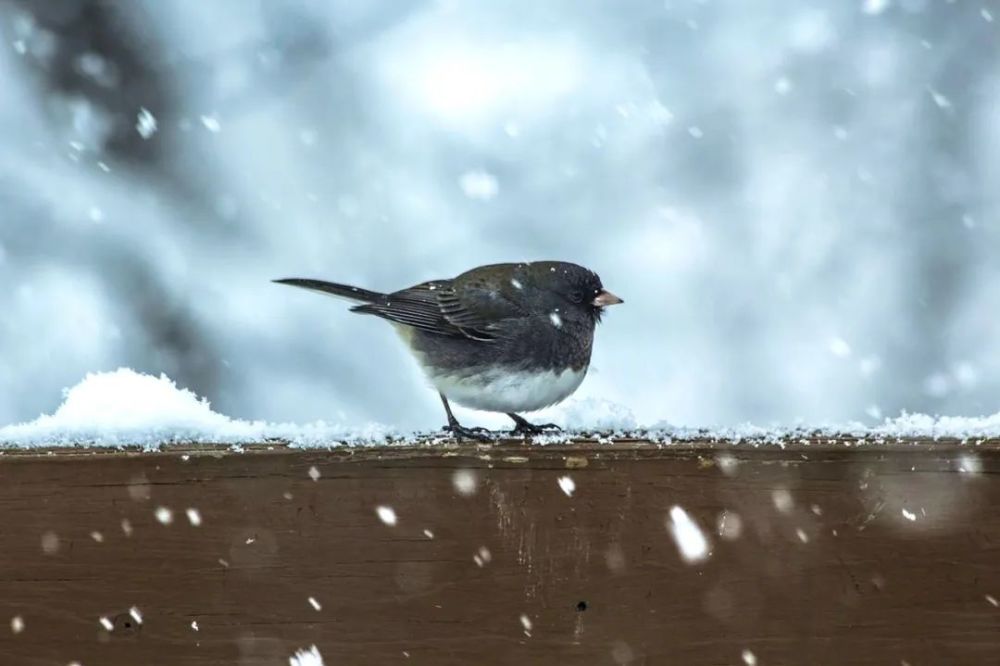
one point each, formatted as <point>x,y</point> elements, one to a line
<point>798,201</point>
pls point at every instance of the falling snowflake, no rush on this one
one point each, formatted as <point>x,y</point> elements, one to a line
<point>386,515</point>
<point>939,99</point>
<point>622,653</point>
<point>483,556</point>
<point>194,517</point>
<point>839,347</point>
<point>727,463</point>
<point>145,123</point>
<point>729,525</point>
<point>464,481</point>
<point>526,623</point>
<point>479,185</point>
<point>782,500</point>
<point>50,543</point>
<point>969,464</point>
<point>315,604</point>
<point>314,473</point>
<point>555,319</point>
<point>164,515</point>
<point>690,540</point>
<point>874,7</point>
<point>211,123</point>
<point>310,657</point>
<point>567,485</point>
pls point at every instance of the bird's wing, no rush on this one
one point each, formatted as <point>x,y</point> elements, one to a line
<point>480,302</point>
<point>446,307</point>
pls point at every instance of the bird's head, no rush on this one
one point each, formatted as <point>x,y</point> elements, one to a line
<point>573,287</point>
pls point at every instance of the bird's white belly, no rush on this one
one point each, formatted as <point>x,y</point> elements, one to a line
<point>504,391</point>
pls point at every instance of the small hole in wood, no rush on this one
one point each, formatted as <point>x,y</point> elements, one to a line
<point>582,606</point>
<point>124,625</point>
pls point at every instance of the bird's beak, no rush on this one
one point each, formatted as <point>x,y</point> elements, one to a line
<point>605,298</point>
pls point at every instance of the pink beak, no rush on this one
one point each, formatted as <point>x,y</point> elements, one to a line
<point>606,298</point>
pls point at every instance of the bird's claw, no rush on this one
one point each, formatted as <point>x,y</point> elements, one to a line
<point>477,433</point>
<point>533,429</point>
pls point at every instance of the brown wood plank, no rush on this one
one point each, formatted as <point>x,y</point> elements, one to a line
<point>827,568</point>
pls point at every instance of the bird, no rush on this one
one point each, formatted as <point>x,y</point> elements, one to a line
<point>509,338</point>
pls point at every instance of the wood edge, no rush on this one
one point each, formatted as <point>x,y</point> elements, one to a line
<point>431,447</point>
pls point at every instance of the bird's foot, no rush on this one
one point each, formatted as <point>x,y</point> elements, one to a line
<point>461,432</point>
<point>535,429</point>
<point>525,428</point>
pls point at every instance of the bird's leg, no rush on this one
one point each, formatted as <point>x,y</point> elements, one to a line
<point>459,430</point>
<point>523,427</point>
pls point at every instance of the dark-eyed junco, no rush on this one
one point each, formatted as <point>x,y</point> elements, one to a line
<point>501,338</point>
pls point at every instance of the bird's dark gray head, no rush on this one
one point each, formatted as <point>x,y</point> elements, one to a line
<point>570,287</point>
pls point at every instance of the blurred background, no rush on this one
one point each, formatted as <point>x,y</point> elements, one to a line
<point>799,202</point>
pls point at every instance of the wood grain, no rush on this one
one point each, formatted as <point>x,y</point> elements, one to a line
<point>827,566</point>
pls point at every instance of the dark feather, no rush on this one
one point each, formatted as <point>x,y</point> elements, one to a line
<point>333,288</point>
<point>420,308</point>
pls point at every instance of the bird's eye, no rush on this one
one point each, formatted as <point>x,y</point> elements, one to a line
<point>576,296</point>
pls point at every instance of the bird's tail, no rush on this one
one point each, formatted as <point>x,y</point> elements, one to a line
<point>345,291</point>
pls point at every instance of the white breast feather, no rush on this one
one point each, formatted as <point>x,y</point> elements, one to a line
<point>501,391</point>
<point>496,390</point>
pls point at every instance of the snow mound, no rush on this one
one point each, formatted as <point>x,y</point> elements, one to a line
<point>593,413</point>
<point>125,407</point>
<point>936,427</point>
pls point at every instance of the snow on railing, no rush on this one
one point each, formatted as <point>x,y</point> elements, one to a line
<point>125,407</point>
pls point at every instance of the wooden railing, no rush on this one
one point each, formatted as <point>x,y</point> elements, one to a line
<point>815,551</point>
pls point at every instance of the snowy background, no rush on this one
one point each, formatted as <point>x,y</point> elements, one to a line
<point>799,202</point>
